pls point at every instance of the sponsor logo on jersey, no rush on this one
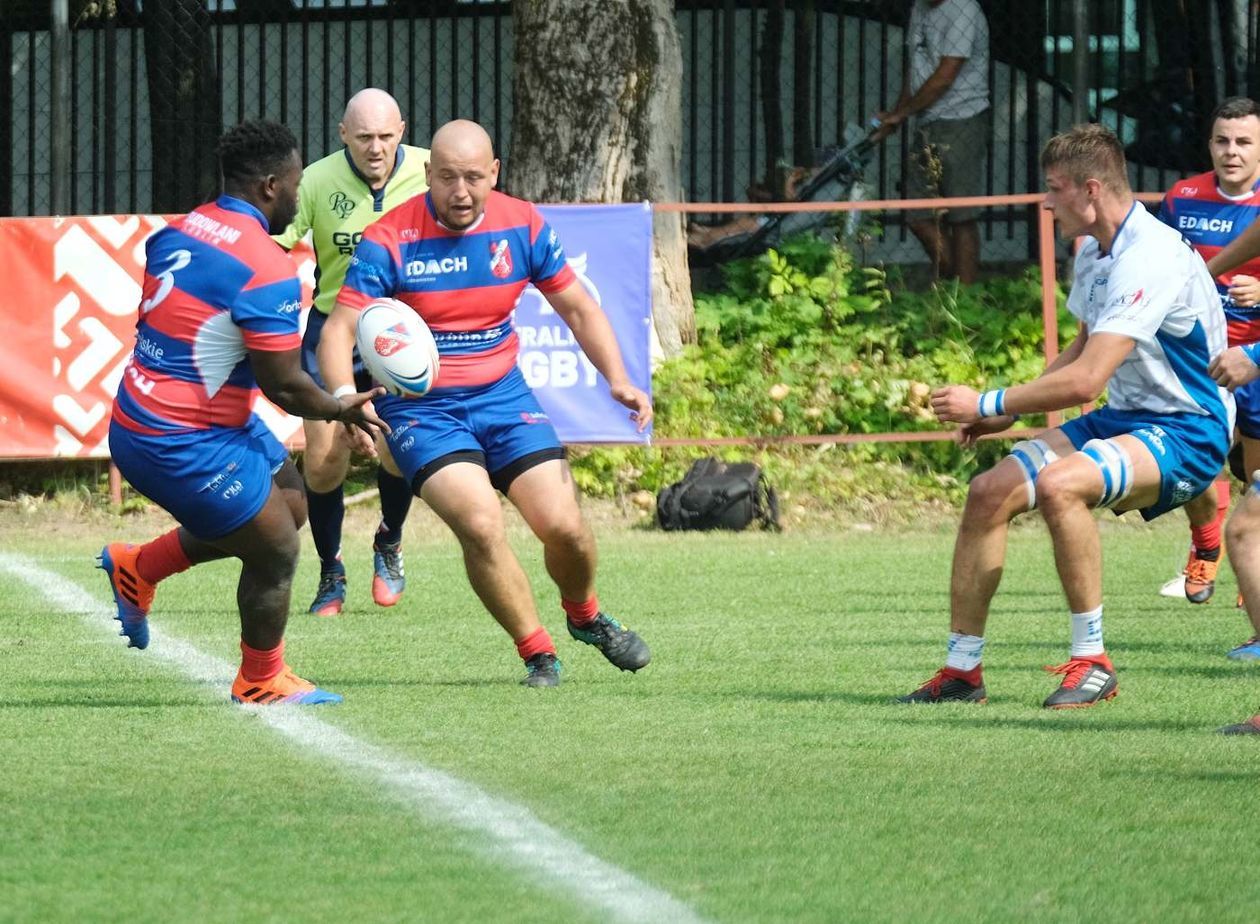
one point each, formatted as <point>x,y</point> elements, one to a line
<point>433,267</point>
<point>1196,223</point>
<point>1100,282</point>
<point>341,204</point>
<point>345,241</point>
<point>390,341</point>
<point>500,258</point>
<point>534,417</point>
<point>1129,299</point>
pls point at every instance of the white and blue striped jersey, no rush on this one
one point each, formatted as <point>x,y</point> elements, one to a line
<point>1153,287</point>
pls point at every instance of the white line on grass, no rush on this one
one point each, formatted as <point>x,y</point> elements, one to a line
<point>510,834</point>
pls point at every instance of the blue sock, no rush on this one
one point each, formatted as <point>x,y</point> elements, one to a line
<point>326,513</point>
<point>395,503</point>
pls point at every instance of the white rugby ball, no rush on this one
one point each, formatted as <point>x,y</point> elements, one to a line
<point>397,348</point>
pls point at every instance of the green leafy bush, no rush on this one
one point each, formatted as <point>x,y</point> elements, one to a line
<point>803,341</point>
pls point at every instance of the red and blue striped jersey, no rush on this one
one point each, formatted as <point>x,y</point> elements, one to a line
<point>464,284</point>
<point>1210,221</point>
<point>215,287</point>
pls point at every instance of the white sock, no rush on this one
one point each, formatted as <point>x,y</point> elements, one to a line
<point>1087,639</point>
<point>964,651</point>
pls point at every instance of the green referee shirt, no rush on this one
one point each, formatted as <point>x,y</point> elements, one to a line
<point>336,204</point>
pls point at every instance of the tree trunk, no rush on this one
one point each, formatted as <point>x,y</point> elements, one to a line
<point>184,105</point>
<point>597,117</point>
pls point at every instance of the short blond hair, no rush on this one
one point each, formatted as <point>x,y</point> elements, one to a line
<point>1085,152</point>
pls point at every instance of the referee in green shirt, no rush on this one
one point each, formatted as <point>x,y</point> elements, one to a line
<point>341,195</point>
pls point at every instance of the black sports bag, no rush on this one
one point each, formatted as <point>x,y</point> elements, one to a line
<point>718,495</point>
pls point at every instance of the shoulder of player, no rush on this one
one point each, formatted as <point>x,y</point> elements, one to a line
<point>1202,185</point>
<point>414,156</point>
<point>269,261</point>
<point>504,211</point>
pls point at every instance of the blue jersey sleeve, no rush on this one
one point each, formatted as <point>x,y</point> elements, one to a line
<point>374,273</point>
<point>548,267</point>
<point>268,314</point>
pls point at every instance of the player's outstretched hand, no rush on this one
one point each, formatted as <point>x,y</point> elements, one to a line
<point>637,400</point>
<point>968,434</point>
<point>1233,368</point>
<point>956,404</point>
<point>1245,291</point>
<point>357,411</point>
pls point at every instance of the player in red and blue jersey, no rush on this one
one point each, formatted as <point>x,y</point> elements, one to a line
<point>460,255</point>
<point>218,321</point>
<point>1211,210</point>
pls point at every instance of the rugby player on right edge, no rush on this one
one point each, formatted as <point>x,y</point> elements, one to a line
<point>1211,210</point>
<point>1236,367</point>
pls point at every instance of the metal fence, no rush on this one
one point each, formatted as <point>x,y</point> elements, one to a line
<point>117,111</point>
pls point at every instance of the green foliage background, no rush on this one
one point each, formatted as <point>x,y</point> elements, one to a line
<point>804,341</point>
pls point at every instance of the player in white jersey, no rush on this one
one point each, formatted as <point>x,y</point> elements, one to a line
<point>1151,321</point>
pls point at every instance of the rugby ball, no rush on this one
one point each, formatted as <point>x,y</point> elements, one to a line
<point>397,348</point>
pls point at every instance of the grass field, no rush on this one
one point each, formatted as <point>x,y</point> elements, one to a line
<point>756,771</point>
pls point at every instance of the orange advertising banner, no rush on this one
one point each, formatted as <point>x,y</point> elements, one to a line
<point>71,289</point>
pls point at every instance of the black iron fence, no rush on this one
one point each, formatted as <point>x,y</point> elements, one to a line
<point>151,82</point>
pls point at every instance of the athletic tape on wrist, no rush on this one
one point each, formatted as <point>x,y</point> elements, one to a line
<point>992,403</point>
<point>343,391</point>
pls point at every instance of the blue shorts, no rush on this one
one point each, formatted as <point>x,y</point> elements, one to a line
<point>212,481</point>
<point>500,426</point>
<point>1189,448</point>
<point>315,320</point>
<point>1247,398</point>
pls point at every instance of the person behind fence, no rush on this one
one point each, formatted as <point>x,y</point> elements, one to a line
<point>218,320</point>
<point>1151,321</point>
<point>460,256</point>
<point>342,194</point>
<point>1210,210</point>
<point>945,89</point>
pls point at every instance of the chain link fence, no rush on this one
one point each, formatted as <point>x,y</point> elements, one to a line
<point>767,84</point>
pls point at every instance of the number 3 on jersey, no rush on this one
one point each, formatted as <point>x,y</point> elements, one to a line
<point>166,279</point>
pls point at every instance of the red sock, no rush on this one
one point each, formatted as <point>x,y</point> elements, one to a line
<point>581,614</point>
<point>1206,538</point>
<point>162,557</point>
<point>537,641</point>
<point>257,666</point>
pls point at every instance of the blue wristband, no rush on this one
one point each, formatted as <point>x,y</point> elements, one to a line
<point>992,403</point>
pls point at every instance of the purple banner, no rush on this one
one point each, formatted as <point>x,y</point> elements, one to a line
<point>609,247</point>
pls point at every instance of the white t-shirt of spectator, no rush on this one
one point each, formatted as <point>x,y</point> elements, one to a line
<point>951,29</point>
<point>1155,288</point>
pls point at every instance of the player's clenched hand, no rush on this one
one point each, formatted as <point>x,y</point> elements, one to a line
<point>637,400</point>
<point>1233,368</point>
<point>357,411</point>
<point>1245,291</point>
<point>956,404</point>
